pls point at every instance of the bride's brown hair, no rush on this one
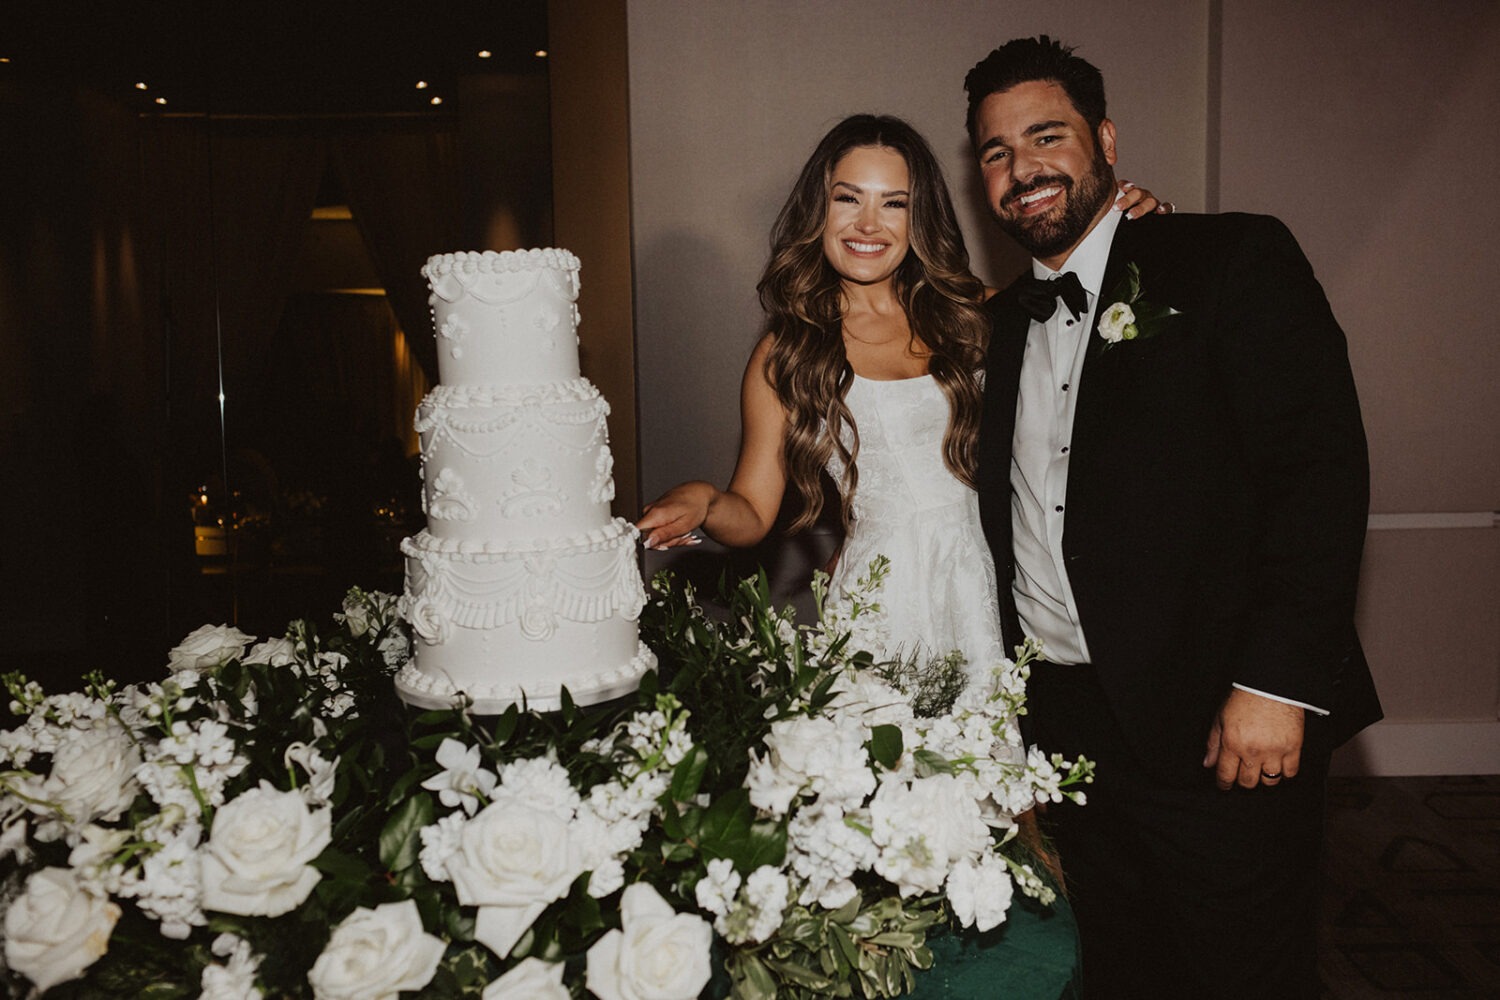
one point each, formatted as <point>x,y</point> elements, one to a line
<point>802,296</point>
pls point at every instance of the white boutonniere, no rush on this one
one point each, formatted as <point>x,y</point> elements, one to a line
<point>1129,316</point>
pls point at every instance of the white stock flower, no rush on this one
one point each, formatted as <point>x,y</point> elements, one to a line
<point>56,929</point>
<point>257,861</point>
<point>462,780</point>
<point>532,979</point>
<point>716,890</point>
<point>1117,323</point>
<point>376,954</point>
<point>923,828</point>
<point>541,783</point>
<point>512,860</point>
<point>870,701</point>
<point>235,979</point>
<point>208,647</point>
<point>657,954</point>
<point>820,755</point>
<point>824,851</point>
<point>980,893</point>
<point>439,843</point>
<point>169,886</point>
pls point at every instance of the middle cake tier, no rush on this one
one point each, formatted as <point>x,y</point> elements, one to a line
<point>508,463</point>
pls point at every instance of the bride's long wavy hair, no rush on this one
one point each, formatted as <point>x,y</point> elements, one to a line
<point>803,298</point>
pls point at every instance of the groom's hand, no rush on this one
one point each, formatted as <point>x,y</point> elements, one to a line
<point>1254,741</point>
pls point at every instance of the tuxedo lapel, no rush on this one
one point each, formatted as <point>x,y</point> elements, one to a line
<point>1003,378</point>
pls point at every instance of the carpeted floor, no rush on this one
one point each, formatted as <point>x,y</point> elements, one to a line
<point>1411,899</point>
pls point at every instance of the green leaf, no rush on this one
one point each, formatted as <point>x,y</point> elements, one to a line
<point>687,776</point>
<point>886,745</point>
<point>930,763</point>
<point>401,838</point>
<point>339,865</point>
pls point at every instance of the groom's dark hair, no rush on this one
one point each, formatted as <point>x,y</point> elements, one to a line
<point>1022,60</point>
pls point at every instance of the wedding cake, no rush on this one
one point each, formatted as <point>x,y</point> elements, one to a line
<point>522,583</point>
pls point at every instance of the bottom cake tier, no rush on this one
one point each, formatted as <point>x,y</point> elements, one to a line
<point>503,623</point>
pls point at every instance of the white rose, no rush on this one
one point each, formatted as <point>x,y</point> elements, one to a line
<point>1118,323</point>
<point>533,979</point>
<point>376,954</point>
<point>427,620</point>
<point>279,652</point>
<point>658,954</point>
<point>511,862</point>
<point>208,647</point>
<point>93,773</point>
<point>56,929</point>
<point>257,859</point>
<point>980,893</point>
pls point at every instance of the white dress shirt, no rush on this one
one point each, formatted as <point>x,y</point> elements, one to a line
<point>1045,406</point>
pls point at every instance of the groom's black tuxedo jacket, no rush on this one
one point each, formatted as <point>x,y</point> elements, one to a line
<point>1217,486</point>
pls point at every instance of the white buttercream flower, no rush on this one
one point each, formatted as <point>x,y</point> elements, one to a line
<point>658,954</point>
<point>208,647</point>
<point>532,979</point>
<point>376,954</point>
<point>56,929</point>
<point>258,858</point>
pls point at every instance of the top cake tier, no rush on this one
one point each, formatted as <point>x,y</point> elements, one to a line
<point>505,318</point>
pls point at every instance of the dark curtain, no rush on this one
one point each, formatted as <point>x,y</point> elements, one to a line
<point>403,188</point>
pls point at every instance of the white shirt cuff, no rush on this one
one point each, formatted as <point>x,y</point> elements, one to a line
<point>1284,701</point>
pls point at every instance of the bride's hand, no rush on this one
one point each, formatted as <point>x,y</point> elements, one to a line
<point>1137,201</point>
<point>669,522</point>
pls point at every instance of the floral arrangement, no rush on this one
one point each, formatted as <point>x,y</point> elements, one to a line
<point>1129,316</point>
<point>776,813</point>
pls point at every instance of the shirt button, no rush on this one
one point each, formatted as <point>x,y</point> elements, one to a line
<point>1065,387</point>
<point>1065,449</point>
<point>1068,323</point>
<point>1058,508</point>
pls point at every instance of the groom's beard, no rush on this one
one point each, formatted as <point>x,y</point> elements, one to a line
<point>1051,234</point>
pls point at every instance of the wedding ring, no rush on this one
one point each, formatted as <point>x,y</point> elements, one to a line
<point>1168,208</point>
<point>1271,777</point>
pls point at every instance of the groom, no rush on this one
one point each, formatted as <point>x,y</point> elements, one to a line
<point>1173,479</point>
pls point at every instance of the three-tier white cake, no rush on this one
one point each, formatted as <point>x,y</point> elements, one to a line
<point>522,582</point>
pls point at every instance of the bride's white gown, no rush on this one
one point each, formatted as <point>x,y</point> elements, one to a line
<point>940,593</point>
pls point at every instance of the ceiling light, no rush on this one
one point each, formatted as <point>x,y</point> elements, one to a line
<point>140,86</point>
<point>436,100</point>
<point>485,53</point>
<point>540,53</point>
<point>421,84</point>
<point>161,100</point>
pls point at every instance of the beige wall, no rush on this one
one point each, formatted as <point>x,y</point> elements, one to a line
<point>591,206</point>
<point>1372,129</point>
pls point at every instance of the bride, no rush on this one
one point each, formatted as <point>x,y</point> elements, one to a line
<point>871,369</point>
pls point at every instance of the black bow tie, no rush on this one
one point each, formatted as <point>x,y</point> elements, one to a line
<point>1039,295</point>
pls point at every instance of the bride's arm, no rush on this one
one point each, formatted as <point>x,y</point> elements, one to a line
<point>744,513</point>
